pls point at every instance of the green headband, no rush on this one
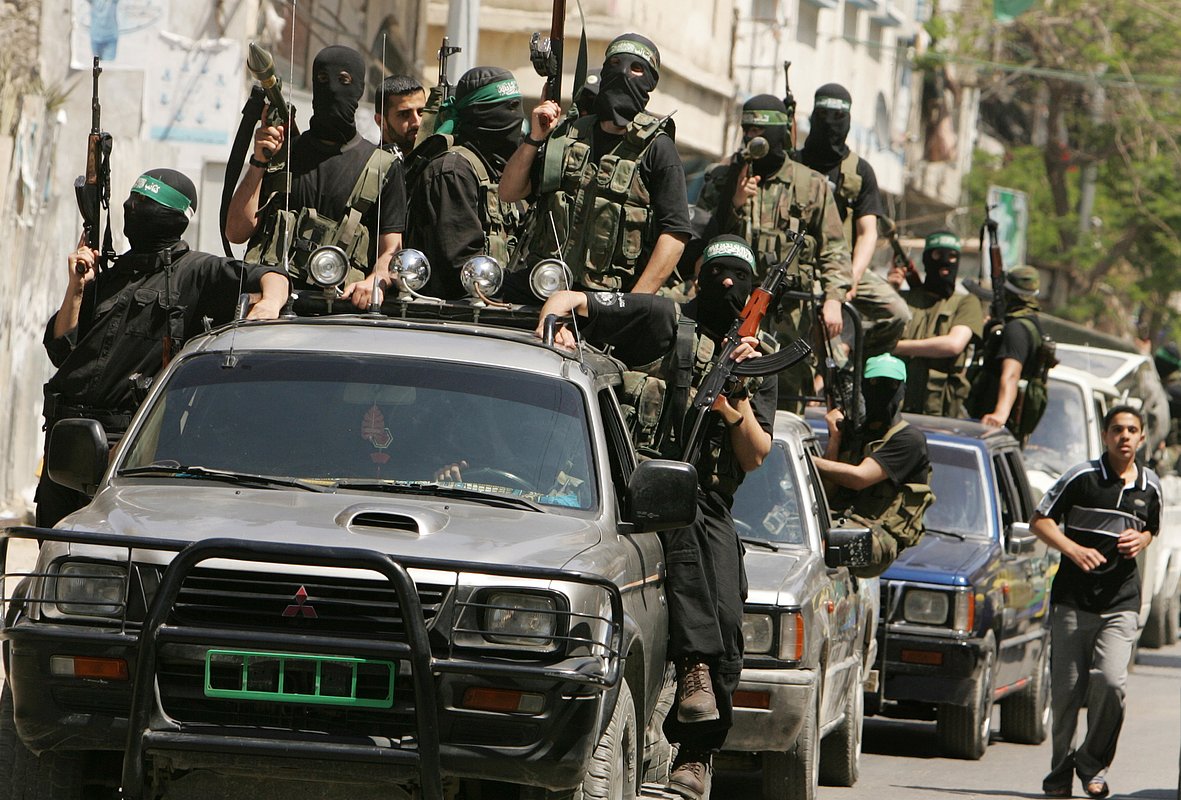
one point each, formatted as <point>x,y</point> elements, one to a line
<point>497,92</point>
<point>734,249</point>
<point>764,118</point>
<point>943,240</point>
<point>163,194</point>
<point>834,103</point>
<point>632,47</point>
<point>885,365</point>
<point>1167,357</point>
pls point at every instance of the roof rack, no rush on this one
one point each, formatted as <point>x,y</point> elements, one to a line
<point>313,303</point>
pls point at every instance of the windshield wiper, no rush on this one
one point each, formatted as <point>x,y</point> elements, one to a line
<point>242,478</point>
<point>431,489</point>
<point>952,534</point>
<point>760,543</point>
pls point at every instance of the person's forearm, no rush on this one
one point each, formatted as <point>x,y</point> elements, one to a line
<point>1005,397</point>
<point>275,287</point>
<point>663,261</point>
<point>514,181</point>
<point>1049,532</point>
<point>862,255</point>
<point>945,346</point>
<point>750,442</point>
<point>68,314</point>
<point>837,472</point>
<point>388,247</point>
<point>242,214</point>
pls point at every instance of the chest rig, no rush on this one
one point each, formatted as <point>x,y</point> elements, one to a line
<point>782,204</point>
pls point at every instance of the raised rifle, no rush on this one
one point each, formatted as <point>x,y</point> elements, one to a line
<point>996,267</point>
<point>444,87</point>
<point>901,260</point>
<point>725,374</point>
<point>789,100</point>
<point>93,190</point>
<point>546,53</point>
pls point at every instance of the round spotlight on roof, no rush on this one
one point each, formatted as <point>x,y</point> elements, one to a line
<point>481,276</point>
<point>328,265</point>
<point>412,268</point>
<point>548,276</point>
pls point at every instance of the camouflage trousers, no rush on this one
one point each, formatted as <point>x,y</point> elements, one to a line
<point>884,313</point>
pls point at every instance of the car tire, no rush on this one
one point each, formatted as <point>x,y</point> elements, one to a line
<point>659,756</point>
<point>840,751</point>
<point>50,776</point>
<point>963,731</point>
<point>612,770</point>
<point>1025,717</point>
<point>1161,628</point>
<point>794,775</point>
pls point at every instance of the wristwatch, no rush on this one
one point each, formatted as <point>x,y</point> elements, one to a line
<point>254,162</point>
<point>531,141</point>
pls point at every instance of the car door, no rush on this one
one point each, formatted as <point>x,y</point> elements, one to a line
<point>1022,585</point>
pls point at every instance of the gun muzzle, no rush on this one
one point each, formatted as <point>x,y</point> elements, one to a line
<point>261,66</point>
<point>755,149</point>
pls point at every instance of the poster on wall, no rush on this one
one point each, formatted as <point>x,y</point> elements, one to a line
<point>120,32</point>
<point>195,95</point>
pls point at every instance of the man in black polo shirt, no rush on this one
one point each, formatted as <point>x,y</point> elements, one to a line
<point>1100,514</point>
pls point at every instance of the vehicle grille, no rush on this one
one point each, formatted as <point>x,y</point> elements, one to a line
<point>331,606</point>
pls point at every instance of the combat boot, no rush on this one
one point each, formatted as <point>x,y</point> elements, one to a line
<point>695,693</point>
<point>691,775</point>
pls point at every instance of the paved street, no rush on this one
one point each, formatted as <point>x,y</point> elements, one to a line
<point>902,762</point>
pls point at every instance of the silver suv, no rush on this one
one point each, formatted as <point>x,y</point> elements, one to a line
<point>349,556</point>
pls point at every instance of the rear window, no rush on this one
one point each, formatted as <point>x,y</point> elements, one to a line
<point>1060,439</point>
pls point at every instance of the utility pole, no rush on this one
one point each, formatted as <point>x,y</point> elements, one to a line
<point>463,30</point>
<point>1090,173</point>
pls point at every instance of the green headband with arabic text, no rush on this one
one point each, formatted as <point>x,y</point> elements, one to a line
<point>163,194</point>
<point>764,117</point>
<point>632,47</point>
<point>738,250</point>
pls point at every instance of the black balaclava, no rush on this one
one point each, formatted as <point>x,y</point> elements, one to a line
<point>717,305</point>
<point>825,146</point>
<point>883,402</point>
<point>586,96</point>
<point>488,113</point>
<point>158,210</point>
<point>769,113</point>
<point>622,95</point>
<point>941,252</point>
<point>334,104</point>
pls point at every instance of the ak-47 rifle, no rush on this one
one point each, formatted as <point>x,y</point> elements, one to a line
<point>546,53</point>
<point>725,373</point>
<point>901,260</point>
<point>996,267</point>
<point>93,190</point>
<point>446,50</point>
<point>789,100</point>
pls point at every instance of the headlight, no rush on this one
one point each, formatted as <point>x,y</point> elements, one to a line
<point>549,276</point>
<point>758,632</point>
<point>526,620</point>
<point>791,636</point>
<point>89,589</point>
<point>925,607</point>
<point>328,266</point>
<point>413,268</point>
<point>481,275</point>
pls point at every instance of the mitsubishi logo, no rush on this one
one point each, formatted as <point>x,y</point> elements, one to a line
<point>300,608</point>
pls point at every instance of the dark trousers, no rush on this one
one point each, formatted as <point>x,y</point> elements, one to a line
<point>55,501</point>
<point>706,585</point>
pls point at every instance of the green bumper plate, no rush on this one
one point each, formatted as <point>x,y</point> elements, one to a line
<point>299,678</point>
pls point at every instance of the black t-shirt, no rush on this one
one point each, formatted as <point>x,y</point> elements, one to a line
<point>1019,340</point>
<point>868,200</point>
<point>1093,506</point>
<point>662,172</point>
<point>904,457</point>
<point>324,179</point>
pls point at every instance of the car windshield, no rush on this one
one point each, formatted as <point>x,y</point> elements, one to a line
<point>767,504</point>
<point>372,423</point>
<point>1060,439</point>
<point>1102,365</point>
<point>961,501</point>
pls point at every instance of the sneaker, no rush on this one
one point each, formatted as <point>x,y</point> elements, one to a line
<point>695,693</point>
<point>690,776</point>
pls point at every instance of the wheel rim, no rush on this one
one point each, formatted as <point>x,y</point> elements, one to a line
<point>1044,690</point>
<point>858,713</point>
<point>986,702</point>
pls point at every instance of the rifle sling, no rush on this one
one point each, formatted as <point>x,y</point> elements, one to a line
<point>251,113</point>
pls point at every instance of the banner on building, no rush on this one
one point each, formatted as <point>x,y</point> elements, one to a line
<point>195,95</point>
<point>1010,209</point>
<point>120,32</point>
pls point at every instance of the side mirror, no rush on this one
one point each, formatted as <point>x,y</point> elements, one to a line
<point>78,454</point>
<point>1019,540</point>
<point>662,495</point>
<point>848,547</point>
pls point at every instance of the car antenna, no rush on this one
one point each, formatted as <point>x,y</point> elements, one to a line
<point>568,277</point>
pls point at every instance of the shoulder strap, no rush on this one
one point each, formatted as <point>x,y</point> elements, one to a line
<point>571,130</point>
<point>677,403</point>
<point>365,192</point>
<point>898,426</point>
<point>850,181</point>
<point>473,158</point>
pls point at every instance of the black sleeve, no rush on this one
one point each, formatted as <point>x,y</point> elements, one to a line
<point>60,348</point>
<point>1061,497</point>
<point>393,200</point>
<point>664,175</point>
<point>641,327</point>
<point>1017,342</point>
<point>218,281</point>
<point>446,223</point>
<point>763,403</point>
<point>904,457</point>
<point>869,199</point>
<point>1152,524</point>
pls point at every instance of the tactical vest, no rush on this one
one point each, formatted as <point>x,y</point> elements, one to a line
<point>500,221</point>
<point>299,233</point>
<point>898,512</point>
<point>848,188</point>
<point>936,386</point>
<point>600,212</point>
<point>658,417</point>
<point>780,206</point>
